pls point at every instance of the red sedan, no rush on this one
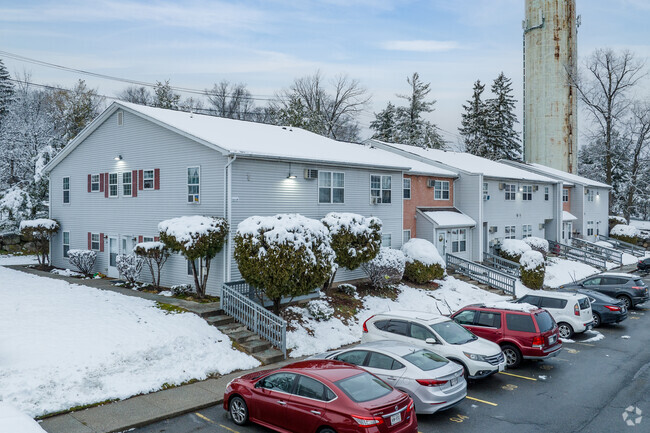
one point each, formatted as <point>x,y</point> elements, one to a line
<point>321,396</point>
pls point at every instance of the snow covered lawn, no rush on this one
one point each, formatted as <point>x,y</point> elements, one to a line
<point>14,421</point>
<point>66,345</point>
<point>561,271</point>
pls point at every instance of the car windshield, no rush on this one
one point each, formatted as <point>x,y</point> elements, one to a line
<point>426,360</point>
<point>452,332</point>
<point>544,321</point>
<point>363,387</point>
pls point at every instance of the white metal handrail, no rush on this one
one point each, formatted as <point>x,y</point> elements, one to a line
<point>482,274</point>
<point>610,254</point>
<point>635,250</point>
<point>499,263</point>
<point>589,258</point>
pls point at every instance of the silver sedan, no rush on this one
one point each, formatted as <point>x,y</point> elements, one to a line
<point>433,382</point>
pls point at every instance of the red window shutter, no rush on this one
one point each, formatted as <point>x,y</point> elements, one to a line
<point>89,183</point>
<point>134,183</point>
<point>90,242</point>
<point>101,182</point>
<point>139,238</point>
<point>106,188</point>
<point>140,181</point>
<point>101,242</point>
<point>156,178</point>
<point>156,238</point>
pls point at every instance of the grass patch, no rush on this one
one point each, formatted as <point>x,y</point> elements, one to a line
<point>170,309</point>
<point>345,306</point>
<point>191,297</point>
<point>367,289</point>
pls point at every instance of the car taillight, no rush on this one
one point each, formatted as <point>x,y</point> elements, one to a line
<point>538,342</point>
<point>638,288</point>
<point>367,421</point>
<point>612,308</point>
<point>365,328</point>
<point>430,382</point>
<point>410,407</point>
<point>576,310</point>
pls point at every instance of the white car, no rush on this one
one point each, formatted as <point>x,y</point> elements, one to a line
<point>570,310</point>
<point>480,358</point>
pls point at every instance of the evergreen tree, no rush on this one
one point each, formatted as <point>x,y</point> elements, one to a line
<point>474,122</point>
<point>503,141</point>
<point>411,128</point>
<point>6,91</point>
<point>164,96</point>
<point>384,124</point>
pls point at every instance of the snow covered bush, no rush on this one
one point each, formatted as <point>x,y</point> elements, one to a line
<point>532,269</point>
<point>348,289</point>
<point>615,220</point>
<point>15,206</point>
<point>512,249</point>
<point>155,254</point>
<point>355,239</point>
<point>84,260</point>
<point>387,268</point>
<point>40,232</point>
<point>284,255</point>
<point>320,309</point>
<point>199,239</point>
<point>537,244</point>
<point>130,266</point>
<point>625,233</point>
<point>423,263</point>
<point>181,289</point>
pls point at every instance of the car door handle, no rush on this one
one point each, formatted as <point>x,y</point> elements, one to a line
<point>315,412</point>
<point>391,377</point>
<point>283,403</point>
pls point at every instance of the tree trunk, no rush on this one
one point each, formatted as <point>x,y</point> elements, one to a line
<point>197,283</point>
<point>153,275</point>
<point>276,305</point>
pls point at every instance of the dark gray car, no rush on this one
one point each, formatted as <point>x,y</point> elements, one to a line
<point>629,288</point>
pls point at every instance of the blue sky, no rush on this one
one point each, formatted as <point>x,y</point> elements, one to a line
<point>266,44</point>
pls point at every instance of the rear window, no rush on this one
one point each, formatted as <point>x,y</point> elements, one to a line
<point>381,324</point>
<point>520,322</point>
<point>363,387</point>
<point>553,303</point>
<point>426,360</point>
<point>544,321</point>
<point>584,303</point>
<point>639,282</point>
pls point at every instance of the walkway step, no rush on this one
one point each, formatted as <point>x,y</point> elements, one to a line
<point>219,320</point>
<point>242,336</point>
<point>211,313</point>
<point>269,356</point>
<point>231,328</point>
<point>255,345</point>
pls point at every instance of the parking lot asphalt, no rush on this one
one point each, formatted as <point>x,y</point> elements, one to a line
<point>592,386</point>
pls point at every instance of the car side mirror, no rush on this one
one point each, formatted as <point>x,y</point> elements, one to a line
<point>431,341</point>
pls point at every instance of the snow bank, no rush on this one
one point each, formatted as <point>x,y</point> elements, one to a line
<point>73,345</point>
<point>422,251</point>
<point>39,223</point>
<point>10,259</point>
<point>506,305</point>
<point>14,421</point>
<point>187,229</point>
<point>536,243</point>
<point>604,244</point>
<point>514,247</point>
<point>624,230</point>
<point>561,271</point>
<point>531,260</point>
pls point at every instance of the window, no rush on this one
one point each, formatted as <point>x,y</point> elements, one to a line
<point>491,320</point>
<point>282,382</point>
<point>406,236</point>
<point>546,193</point>
<point>94,182</point>
<point>527,192</point>
<point>526,231</point>
<point>382,324</point>
<point>380,188</point>
<point>590,195</point>
<point>590,228</point>
<point>407,188</point>
<point>520,322</point>
<point>147,179</point>
<point>565,195</point>
<point>530,299</point>
<point>126,184</point>
<point>486,191</point>
<point>193,184</point>
<point>426,360</point>
<point>189,267</point>
<point>364,387</point>
<point>66,243</point>
<point>383,362</point>
<point>553,303</point>
<point>147,239</point>
<point>420,332</point>
<point>120,118</point>
<point>386,240</point>
<point>510,232</point>
<point>331,187</point>
<point>355,357</point>
<point>311,388</point>
<point>458,240</point>
<point>592,282</point>
<point>398,327</point>
<point>511,191</point>
<point>66,190</point>
<point>465,318</point>
<point>94,241</point>
<point>112,184</point>
<point>544,321</point>
<point>441,190</point>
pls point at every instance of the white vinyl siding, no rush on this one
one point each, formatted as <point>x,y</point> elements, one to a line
<point>441,190</point>
<point>66,190</point>
<point>380,188</point>
<point>331,187</point>
<point>194,185</point>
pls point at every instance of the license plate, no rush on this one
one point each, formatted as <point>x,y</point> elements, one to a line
<point>453,381</point>
<point>623,309</point>
<point>394,419</point>
<point>502,367</point>
<point>552,339</point>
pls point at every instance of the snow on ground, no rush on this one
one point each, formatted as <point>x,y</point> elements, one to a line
<point>595,336</point>
<point>17,260</point>
<point>14,421</point>
<point>66,273</point>
<point>561,271</point>
<point>329,334</point>
<point>73,345</point>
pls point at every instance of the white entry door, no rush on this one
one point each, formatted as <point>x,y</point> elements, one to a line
<point>441,242</point>
<point>127,244</point>
<point>113,251</point>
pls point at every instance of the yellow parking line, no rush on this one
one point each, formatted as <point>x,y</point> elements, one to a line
<point>228,428</point>
<point>585,344</point>
<point>482,401</point>
<point>204,417</point>
<point>516,375</point>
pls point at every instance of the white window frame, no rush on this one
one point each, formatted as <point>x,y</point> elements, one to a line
<point>590,228</point>
<point>129,183</point>
<point>527,192</point>
<point>116,185</point>
<point>406,180</point>
<point>147,239</point>
<point>439,190</point>
<point>93,241</point>
<point>66,190</point>
<point>120,118</point>
<point>458,240</point>
<point>144,179</point>
<point>590,195</point>
<point>565,195</point>
<point>387,240</point>
<point>510,232</point>
<point>331,186</point>
<point>510,191</point>
<point>486,190</point>
<point>526,231</point>
<point>93,182</point>
<point>189,267</point>
<point>406,236</point>
<point>547,193</point>
<point>187,180</point>
<point>65,252</point>
<point>379,196</point>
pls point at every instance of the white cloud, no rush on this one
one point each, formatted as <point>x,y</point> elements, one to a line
<point>421,46</point>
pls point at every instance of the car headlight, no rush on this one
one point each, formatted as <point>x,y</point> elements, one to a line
<point>474,356</point>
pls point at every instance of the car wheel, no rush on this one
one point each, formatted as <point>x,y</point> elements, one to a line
<point>626,300</point>
<point>566,331</point>
<point>238,410</point>
<point>512,354</point>
<point>326,430</point>
<point>596,320</point>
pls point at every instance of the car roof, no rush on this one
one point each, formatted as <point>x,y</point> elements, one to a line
<point>419,315</point>
<point>505,307</point>
<point>617,274</point>
<point>399,348</point>
<point>562,295</point>
<point>325,369</point>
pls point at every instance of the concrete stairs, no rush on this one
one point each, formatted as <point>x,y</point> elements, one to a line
<point>476,283</point>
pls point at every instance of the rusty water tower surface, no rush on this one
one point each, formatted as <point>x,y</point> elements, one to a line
<point>550,103</point>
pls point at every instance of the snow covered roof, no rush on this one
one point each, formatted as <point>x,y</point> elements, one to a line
<point>466,162</point>
<point>568,179</point>
<point>447,218</point>
<point>422,168</point>
<point>568,216</point>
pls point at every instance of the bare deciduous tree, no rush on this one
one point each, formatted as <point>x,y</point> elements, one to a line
<point>233,101</point>
<point>639,138</point>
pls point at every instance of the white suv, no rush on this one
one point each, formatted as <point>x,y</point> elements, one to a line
<point>480,358</point>
<point>571,311</point>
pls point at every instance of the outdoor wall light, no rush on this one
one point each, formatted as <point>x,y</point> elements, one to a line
<point>118,158</point>
<point>291,176</point>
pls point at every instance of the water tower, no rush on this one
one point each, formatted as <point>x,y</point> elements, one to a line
<point>550,104</point>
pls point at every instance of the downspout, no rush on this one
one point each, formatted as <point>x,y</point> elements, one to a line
<point>227,208</point>
<point>479,223</point>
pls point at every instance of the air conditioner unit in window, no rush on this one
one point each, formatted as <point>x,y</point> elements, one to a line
<point>311,173</point>
<point>502,186</point>
<point>486,197</point>
<point>541,226</point>
<point>431,183</point>
<point>374,200</point>
<point>493,229</point>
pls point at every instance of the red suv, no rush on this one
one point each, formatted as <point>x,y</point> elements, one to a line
<point>321,396</point>
<point>522,333</point>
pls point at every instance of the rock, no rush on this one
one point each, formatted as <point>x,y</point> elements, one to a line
<point>13,248</point>
<point>10,239</point>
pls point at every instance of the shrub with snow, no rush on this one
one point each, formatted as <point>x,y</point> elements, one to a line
<point>355,239</point>
<point>532,269</point>
<point>625,233</point>
<point>199,239</point>
<point>320,309</point>
<point>537,244</point>
<point>181,289</point>
<point>348,289</point>
<point>512,249</point>
<point>423,263</point>
<point>387,268</point>
<point>130,266</point>
<point>40,232</point>
<point>155,254</point>
<point>15,206</point>
<point>615,220</point>
<point>84,260</point>
<point>284,255</point>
